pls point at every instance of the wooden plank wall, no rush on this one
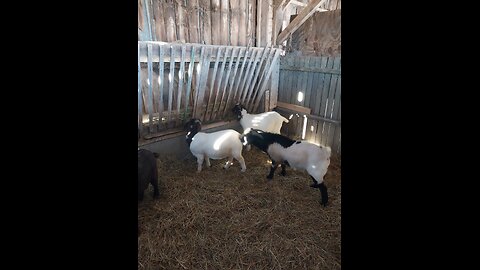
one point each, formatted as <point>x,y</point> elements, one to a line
<point>177,82</point>
<point>211,22</point>
<point>319,35</point>
<point>319,79</point>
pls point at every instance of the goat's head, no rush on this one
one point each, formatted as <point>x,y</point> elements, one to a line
<point>237,110</point>
<point>193,127</point>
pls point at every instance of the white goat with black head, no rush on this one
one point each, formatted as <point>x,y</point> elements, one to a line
<point>299,155</point>
<point>267,121</point>
<point>215,145</point>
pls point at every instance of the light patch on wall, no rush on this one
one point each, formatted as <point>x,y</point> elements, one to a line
<point>304,129</point>
<point>300,96</point>
<point>311,128</point>
<point>170,77</point>
<point>148,81</point>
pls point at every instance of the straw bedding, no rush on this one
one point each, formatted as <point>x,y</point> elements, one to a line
<point>225,219</point>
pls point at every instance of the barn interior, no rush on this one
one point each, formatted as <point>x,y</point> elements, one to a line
<point>197,59</point>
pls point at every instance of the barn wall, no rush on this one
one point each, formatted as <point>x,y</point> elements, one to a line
<point>211,22</point>
<point>319,35</point>
<point>319,79</point>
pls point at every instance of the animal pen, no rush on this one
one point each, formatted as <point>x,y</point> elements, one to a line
<point>197,59</point>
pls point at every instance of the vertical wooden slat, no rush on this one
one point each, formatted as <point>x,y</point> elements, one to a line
<point>181,74</point>
<point>208,115</point>
<point>250,75</point>
<point>252,83</point>
<point>251,23</point>
<point>321,97</point>
<point>262,68</point>
<point>310,93</point>
<point>224,25</point>
<point>242,23</point>
<point>193,21</point>
<point>198,77</point>
<point>281,82</point>
<point>259,33</point>
<point>325,101</point>
<point>216,105</point>
<point>254,56</point>
<point>159,21</point>
<point>236,97</point>
<point>170,27</point>
<point>232,81</point>
<point>292,80</point>
<point>331,101</point>
<point>234,21</point>
<point>140,101</point>
<point>223,102</point>
<point>206,21</point>
<point>180,13</point>
<point>205,63</point>
<point>189,82</point>
<point>264,83</point>
<point>150,95</point>
<point>171,81</point>
<point>274,89</point>
<point>216,22</point>
<point>160,85</point>
<point>304,62</point>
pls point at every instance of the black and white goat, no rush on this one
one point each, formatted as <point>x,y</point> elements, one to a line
<point>147,172</point>
<point>299,155</point>
<point>267,121</point>
<point>215,145</point>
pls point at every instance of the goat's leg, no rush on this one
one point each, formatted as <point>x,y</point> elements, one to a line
<point>242,162</point>
<point>228,163</point>
<point>272,169</point>
<point>207,161</point>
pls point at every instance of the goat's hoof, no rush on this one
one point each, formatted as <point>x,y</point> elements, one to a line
<point>269,177</point>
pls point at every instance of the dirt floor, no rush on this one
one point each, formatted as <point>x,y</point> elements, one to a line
<point>225,219</point>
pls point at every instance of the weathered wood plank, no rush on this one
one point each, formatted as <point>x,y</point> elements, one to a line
<point>159,21</point>
<point>264,83</point>
<point>295,108</point>
<point>251,23</point>
<point>206,21</point>
<point>236,97</point>
<point>261,71</point>
<point>304,14</point>
<point>251,83</point>
<point>274,89</point>
<point>160,82</point>
<point>189,82</point>
<point>171,80</point>
<point>202,85</point>
<point>232,81</point>
<point>180,20</point>
<point>170,27</point>
<point>199,70</point>
<point>181,73</point>
<point>242,23</point>
<point>216,22</point>
<point>308,85</point>
<point>250,74</point>
<point>234,21</point>
<point>193,21</point>
<point>208,116</point>
<point>150,94</point>
<point>310,69</point>
<point>224,25</point>
<point>245,76</point>
<point>219,83</point>
<point>227,82</point>
<point>258,39</point>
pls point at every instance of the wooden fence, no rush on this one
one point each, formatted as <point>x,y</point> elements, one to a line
<point>313,86</point>
<point>177,82</point>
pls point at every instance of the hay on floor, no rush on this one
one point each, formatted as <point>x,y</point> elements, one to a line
<point>225,219</point>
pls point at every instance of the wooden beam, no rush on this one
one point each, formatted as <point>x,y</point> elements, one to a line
<point>299,20</point>
<point>298,3</point>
